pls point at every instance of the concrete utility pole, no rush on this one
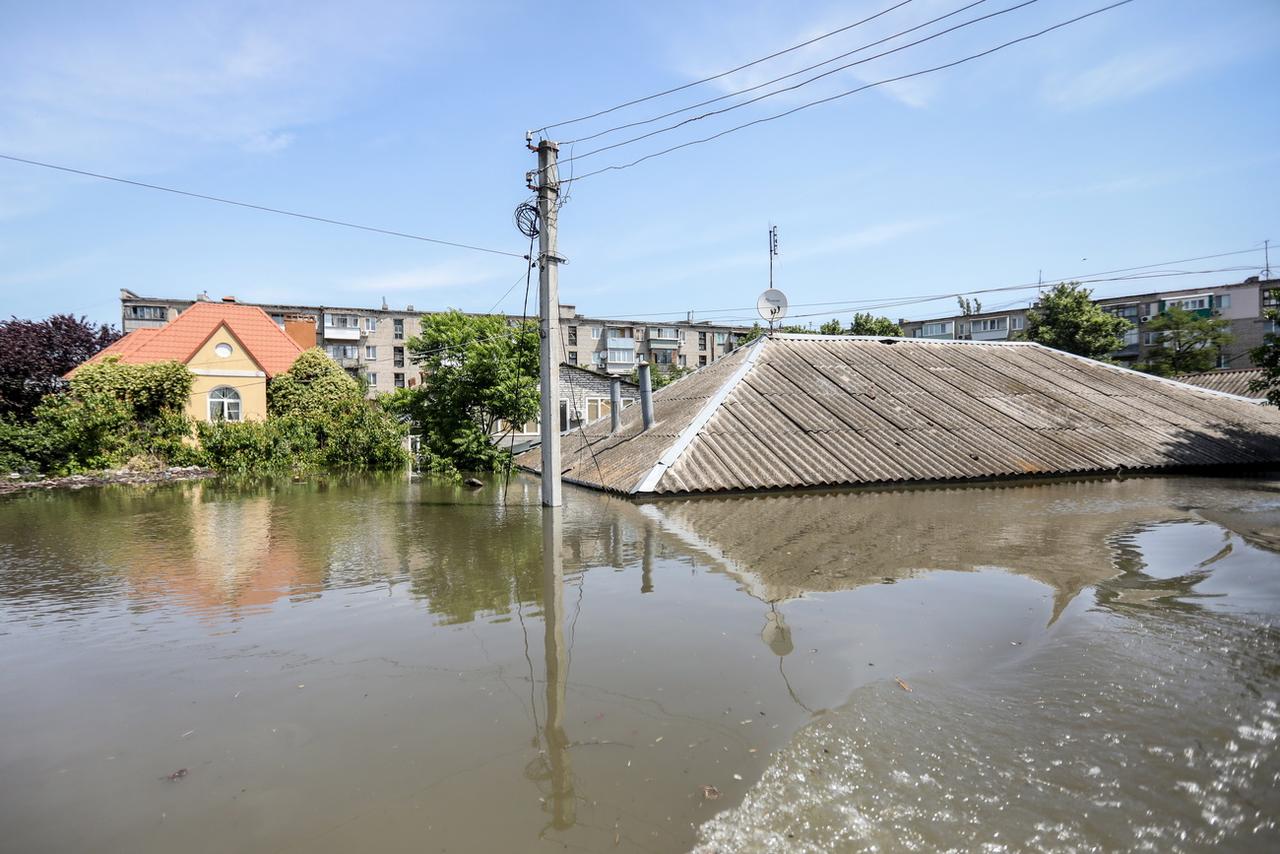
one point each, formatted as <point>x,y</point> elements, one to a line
<point>549,320</point>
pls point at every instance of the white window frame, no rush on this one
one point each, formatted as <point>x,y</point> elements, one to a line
<point>595,333</point>
<point>371,351</point>
<point>371,324</point>
<point>372,379</point>
<point>228,404</point>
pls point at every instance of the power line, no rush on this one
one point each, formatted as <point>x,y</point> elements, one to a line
<point>800,71</point>
<point>848,92</point>
<point>722,73</point>
<point>263,208</point>
<point>867,303</point>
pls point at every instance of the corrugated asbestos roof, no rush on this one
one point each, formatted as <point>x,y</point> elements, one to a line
<point>1234,381</point>
<point>796,411</point>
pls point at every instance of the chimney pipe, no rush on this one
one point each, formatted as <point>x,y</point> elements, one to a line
<point>646,396</point>
<point>615,403</point>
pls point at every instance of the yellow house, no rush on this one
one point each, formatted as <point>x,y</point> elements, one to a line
<point>231,349</point>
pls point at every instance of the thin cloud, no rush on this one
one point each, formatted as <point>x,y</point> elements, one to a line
<point>1124,77</point>
<point>432,278</point>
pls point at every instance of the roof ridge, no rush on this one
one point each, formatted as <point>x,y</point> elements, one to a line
<point>695,425</point>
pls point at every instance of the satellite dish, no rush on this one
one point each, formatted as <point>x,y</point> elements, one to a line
<point>772,305</point>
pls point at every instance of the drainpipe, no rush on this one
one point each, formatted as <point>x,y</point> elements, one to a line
<point>615,404</point>
<point>646,396</point>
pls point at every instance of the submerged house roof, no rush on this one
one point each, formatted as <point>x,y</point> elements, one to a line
<point>182,337</point>
<point>796,411</point>
<point>1233,381</point>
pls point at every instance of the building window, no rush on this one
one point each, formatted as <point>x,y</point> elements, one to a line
<point>573,357</point>
<point>397,329</point>
<point>702,341</point>
<point>990,324</point>
<point>1222,300</point>
<point>620,356</point>
<point>720,337</point>
<point>342,351</point>
<point>222,350</point>
<point>224,404</point>
<point>372,379</point>
<point>148,312</point>
<point>278,319</point>
<point>397,357</point>
<point>342,321</point>
<point>702,361</point>
<point>371,324</point>
<point>932,330</point>
<point>1270,297</point>
<point>370,351</point>
<point>682,360</point>
<point>573,336</point>
<point>661,357</point>
<point>1016,322</point>
<point>1191,303</point>
<point>595,333</point>
<point>398,380</point>
<point>1130,337</point>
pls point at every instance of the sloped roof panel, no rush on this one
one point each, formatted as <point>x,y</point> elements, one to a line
<point>808,411</point>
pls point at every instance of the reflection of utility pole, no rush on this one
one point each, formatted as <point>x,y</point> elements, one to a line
<point>646,562</point>
<point>563,806</point>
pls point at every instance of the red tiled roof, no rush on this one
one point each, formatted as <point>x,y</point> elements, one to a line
<point>182,337</point>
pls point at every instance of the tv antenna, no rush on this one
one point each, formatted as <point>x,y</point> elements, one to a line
<point>773,251</point>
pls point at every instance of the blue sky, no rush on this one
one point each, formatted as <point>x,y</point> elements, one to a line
<point>1143,134</point>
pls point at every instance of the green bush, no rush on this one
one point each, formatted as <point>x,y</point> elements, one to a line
<point>319,420</point>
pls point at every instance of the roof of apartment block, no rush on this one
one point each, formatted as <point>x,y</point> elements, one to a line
<point>182,337</point>
<point>1232,381</point>
<point>796,411</point>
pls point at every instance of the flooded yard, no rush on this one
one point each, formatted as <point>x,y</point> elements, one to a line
<point>389,666</point>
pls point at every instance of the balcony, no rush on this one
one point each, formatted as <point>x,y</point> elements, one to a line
<point>342,333</point>
<point>666,338</point>
<point>617,342</point>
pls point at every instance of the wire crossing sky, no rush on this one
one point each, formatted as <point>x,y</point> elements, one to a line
<point>1141,133</point>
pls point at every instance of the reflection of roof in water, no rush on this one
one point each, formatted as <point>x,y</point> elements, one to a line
<point>1060,534</point>
<point>795,411</point>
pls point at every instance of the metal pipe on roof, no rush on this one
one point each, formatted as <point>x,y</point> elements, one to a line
<point>646,396</point>
<point>615,403</point>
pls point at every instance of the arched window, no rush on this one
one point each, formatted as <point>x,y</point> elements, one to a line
<point>224,404</point>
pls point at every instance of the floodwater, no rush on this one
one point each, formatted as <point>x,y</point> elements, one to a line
<point>388,666</point>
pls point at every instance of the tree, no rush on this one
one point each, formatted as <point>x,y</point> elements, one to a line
<point>659,379</point>
<point>477,371</point>
<point>1267,357</point>
<point>969,306</point>
<point>1066,319</point>
<point>35,354</point>
<point>109,413</point>
<point>1186,342</point>
<point>831,327</point>
<point>868,324</point>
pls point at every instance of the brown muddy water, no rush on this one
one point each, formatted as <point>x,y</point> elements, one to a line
<point>386,666</point>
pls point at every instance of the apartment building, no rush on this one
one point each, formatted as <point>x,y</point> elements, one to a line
<point>371,342</point>
<point>617,346</point>
<point>1242,304</point>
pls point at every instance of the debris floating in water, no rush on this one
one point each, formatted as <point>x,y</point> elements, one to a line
<point>710,793</point>
<point>903,685</point>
